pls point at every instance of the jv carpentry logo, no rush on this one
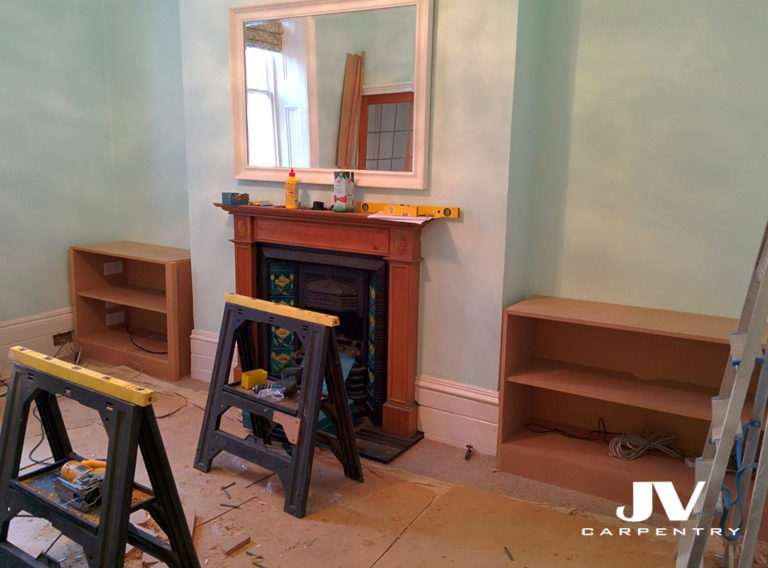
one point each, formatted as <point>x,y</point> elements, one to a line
<point>642,508</point>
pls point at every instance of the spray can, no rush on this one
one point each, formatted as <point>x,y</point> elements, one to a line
<point>292,191</point>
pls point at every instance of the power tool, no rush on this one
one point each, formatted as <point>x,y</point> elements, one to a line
<point>79,483</point>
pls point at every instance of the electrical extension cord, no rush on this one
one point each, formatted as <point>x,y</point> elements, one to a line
<point>631,446</point>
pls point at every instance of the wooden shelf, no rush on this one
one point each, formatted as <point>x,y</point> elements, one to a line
<point>622,388</point>
<point>147,287</point>
<point>574,363</point>
<point>143,252</point>
<point>119,340</point>
<point>584,465</point>
<point>114,345</point>
<point>667,323</point>
<point>134,296</point>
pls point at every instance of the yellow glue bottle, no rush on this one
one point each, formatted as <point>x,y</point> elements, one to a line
<point>292,191</point>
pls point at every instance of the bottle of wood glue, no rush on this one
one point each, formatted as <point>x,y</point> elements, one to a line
<point>292,191</point>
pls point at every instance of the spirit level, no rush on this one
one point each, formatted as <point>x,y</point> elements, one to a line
<point>403,210</point>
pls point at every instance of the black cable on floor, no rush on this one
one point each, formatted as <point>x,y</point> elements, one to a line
<point>141,347</point>
<point>600,433</point>
<point>40,441</point>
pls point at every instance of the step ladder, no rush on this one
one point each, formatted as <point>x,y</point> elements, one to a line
<point>726,430</point>
<point>129,421</point>
<point>297,416</point>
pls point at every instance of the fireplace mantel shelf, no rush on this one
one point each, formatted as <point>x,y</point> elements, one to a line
<point>397,243</point>
<point>312,215</point>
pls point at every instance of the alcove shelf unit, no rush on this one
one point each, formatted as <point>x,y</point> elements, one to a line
<point>132,305</point>
<point>571,368</point>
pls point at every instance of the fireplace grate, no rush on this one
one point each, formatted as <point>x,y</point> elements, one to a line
<point>331,294</point>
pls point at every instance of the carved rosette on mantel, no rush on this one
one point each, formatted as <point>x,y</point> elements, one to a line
<point>399,244</point>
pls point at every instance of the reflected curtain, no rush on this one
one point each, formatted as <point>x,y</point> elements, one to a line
<point>266,35</point>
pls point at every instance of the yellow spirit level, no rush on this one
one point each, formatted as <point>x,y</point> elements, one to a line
<point>403,210</point>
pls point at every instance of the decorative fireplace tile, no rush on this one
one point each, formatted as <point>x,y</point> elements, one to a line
<point>371,337</point>
<point>282,290</point>
<point>371,382</point>
<point>282,279</point>
<point>371,353</point>
<point>281,338</point>
<point>280,358</point>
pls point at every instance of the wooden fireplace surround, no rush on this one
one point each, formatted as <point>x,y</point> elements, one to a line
<point>399,244</point>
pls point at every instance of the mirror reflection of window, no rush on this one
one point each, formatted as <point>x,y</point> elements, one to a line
<point>277,117</point>
<point>387,121</point>
<point>260,106</point>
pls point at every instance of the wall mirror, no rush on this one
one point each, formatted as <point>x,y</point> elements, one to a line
<point>323,85</point>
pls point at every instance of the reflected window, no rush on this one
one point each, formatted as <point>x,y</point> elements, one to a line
<point>277,115</point>
<point>386,132</point>
<point>261,106</point>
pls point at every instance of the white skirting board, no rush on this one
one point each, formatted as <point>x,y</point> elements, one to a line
<point>457,414</point>
<point>203,350</point>
<point>449,412</point>
<point>34,332</point>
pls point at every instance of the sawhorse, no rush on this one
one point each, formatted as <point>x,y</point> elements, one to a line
<point>298,417</point>
<point>130,424</point>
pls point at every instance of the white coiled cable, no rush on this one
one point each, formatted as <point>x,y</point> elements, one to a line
<point>632,446</point>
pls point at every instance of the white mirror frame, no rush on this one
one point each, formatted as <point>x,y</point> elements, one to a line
<point>414,179</point>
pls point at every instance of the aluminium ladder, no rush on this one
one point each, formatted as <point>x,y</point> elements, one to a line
<point>726,430</point>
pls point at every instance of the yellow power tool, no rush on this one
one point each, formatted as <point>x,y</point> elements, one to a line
<point>79,483</point>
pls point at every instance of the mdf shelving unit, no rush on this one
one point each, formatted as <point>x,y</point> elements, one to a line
<point>566,364</point>
<point>127,294</point>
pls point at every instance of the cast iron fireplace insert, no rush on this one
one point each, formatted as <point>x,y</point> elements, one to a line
<point>350,286</point>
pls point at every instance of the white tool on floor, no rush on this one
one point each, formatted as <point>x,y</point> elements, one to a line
<point>725,431</point>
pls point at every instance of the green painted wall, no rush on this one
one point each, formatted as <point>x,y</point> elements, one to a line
<point>91,138</point>
<point>463,268</point>
<point>650,179</point>
<point>147,121</point>
<point>55,177</point>
<point>522,152</point>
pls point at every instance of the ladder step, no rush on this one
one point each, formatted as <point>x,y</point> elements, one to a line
<point>738,340</point>
<point>719,408</point>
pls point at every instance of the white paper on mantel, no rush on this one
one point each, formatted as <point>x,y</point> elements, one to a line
<point>416,220</point>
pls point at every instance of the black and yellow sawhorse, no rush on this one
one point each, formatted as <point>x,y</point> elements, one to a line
<point>298,417</point>
<point>130,424</point>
